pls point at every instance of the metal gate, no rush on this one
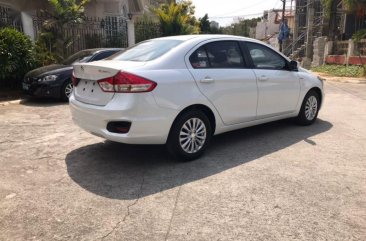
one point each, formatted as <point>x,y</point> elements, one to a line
<point>10,18</point>
<point>110,31</point>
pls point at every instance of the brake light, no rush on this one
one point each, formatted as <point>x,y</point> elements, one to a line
<point>125,82</point>
<point>75,81</point>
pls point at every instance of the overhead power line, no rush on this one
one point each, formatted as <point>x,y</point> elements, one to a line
<point>239,16</point>
<point>238,10</point>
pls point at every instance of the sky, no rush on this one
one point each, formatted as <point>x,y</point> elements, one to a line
<point>224,11</point>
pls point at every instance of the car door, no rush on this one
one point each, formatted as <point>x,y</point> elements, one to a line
<point>278,87</point>
<point>221,74</point>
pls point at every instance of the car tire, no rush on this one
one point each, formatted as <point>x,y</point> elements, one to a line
<point>189,136</point>
<point>309,109</point>
<point>66,90</point>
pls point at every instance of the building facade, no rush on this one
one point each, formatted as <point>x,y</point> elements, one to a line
<point>22,14</point>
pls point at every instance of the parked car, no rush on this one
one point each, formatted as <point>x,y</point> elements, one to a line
<point>180,91</point>
<point>55,80</point>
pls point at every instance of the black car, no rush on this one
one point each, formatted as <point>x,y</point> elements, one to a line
<point>55,80</point>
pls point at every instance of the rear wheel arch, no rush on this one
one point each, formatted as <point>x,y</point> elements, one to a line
<point>191,132</point>
<point>206,110</point>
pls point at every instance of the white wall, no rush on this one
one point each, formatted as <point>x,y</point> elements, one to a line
<point>267,27</point>
<point>27,22</point>
<point>101,8</point>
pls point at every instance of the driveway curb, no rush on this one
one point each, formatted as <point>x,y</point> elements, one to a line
<point>5,103</point>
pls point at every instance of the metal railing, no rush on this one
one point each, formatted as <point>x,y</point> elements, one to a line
<point>110,31</point>
<point>10,18</point>
<point>299,43</point>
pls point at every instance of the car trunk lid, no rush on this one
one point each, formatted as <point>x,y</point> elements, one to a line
<point>88,90</point>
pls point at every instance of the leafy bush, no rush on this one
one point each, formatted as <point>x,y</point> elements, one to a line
<point>43,48</point>
<point>16,56</point>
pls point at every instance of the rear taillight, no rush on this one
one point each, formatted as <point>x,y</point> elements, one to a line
<point>75,81</point>
<point>125,82</point>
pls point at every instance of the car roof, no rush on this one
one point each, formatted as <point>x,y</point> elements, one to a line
<point>204,37</point>
<point>97,50</point>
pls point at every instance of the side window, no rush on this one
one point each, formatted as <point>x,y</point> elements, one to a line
<point>265,58</point>
<point>102,55</point>
<point>199,59</point>
<point>224,54</point>
<point>220,54</point>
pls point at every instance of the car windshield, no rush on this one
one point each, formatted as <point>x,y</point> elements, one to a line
<point>79,57</point>
<point>147,50</point>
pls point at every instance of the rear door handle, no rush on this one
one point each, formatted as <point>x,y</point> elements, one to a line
<point>207,80</point>
<point>263,78</point>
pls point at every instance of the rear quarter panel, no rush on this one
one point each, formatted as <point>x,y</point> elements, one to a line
<point>176,90</point>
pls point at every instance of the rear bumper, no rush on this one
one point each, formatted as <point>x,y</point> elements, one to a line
<point>150,124</point>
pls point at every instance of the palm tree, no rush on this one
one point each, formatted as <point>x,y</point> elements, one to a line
<point>350,5</point>
<point>64,12</point>
<point>356,8</point>
<point>177,18</point>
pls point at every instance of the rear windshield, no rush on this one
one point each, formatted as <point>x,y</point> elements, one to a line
<point>79,57</point>
<point>147,50</point>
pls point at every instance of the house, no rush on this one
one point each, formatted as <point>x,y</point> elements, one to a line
<point>268,26</point>
<point>324,36</point>
<point>114,15</point>
<point>19,14</point>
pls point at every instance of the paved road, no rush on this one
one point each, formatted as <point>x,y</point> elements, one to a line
<point>273,182</point>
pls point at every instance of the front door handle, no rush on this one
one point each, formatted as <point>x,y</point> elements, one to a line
<point>207,80</point>
<point>263,78</point>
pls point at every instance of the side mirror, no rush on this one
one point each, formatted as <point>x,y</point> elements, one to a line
<point>293,66</point>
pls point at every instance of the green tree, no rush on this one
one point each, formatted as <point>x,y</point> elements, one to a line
<point>241,28</point>
<point>64,12</point>
<point>350,5</point>
<point>177,18</point>
<point>205,24</point>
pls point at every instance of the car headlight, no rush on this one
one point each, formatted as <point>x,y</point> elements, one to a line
<point>48,78</point>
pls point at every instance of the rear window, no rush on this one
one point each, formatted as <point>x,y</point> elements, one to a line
<point>79,57</point>
<point>147,50</point>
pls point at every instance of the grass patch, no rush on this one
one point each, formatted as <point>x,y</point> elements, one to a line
<point>340,70</point>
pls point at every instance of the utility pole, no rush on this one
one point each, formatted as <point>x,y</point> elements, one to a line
<point>309,35</point>
<point>283,18</point>
<point>283,10</point>
<point>296,26</point>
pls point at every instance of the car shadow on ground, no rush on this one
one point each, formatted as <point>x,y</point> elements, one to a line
<point>120,171</point>
<point>41,102</point>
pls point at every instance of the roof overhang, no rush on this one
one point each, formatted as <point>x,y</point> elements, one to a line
<point>135,6</point>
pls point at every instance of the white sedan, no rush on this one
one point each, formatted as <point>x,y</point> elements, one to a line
<point>182,90</point>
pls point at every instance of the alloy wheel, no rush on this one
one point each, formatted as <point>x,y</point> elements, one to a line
<point>192,135</point>
<point>68,89</point>
<point>311,108</point>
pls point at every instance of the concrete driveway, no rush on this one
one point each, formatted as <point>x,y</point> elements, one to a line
<point>272,182</point>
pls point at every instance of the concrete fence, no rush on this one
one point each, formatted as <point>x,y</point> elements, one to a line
<point>338,52</point>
